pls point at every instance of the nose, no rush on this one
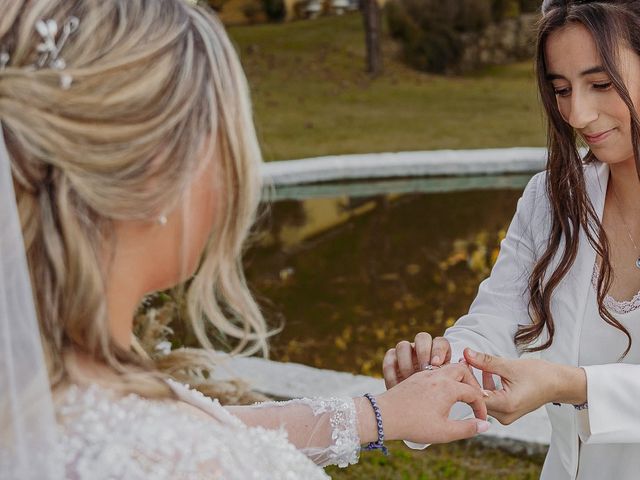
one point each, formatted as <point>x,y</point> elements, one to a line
<point>582,112</point>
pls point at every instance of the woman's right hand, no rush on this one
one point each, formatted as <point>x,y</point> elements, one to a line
<point>417,409</point>
<point>408,358</point>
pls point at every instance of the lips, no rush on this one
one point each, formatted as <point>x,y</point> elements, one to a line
<point>598,137</point>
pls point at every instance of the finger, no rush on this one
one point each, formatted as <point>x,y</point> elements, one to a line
<point>390,368</point>
<point>486,362</point>
<point>404,354</point>
<point>487,381</point>
<point>440,351</point>
<point>498,402</point>
<point>475,398</point>
<point>464,374</point>
<point>460,429</point>
<point>423,349</point>
<point>462,361</point>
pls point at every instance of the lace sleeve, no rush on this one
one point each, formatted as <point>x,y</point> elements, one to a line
<point>324,429</point>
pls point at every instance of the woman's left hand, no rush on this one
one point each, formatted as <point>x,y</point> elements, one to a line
<point>527,384</point>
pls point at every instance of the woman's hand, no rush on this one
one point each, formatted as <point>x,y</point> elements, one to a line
<point>418,408</point>
<point>527,384</point>
<point>408,358</point>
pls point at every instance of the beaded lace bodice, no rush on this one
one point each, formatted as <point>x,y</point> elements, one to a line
<point>620,307</point>
<point>105,436</point>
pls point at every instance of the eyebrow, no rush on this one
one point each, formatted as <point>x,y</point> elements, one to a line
<point>588,71</point>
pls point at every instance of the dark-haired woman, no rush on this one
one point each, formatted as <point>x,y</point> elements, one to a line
<point>566,283</point>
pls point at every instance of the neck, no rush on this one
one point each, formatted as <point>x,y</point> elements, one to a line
<point>123,297</point>
<point>121,312</point>
<point>626,186</point>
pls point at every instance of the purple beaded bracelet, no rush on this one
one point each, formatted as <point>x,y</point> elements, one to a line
<point>379,444</point>
<point>582,406</point>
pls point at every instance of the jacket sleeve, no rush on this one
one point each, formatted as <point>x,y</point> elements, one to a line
<point>502,300</point>
<point>613,415</point>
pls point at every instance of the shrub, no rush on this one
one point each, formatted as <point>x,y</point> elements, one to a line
<point>275,10</point>
<point>530,6</point>
<point>252,11</point>
<point>216,4</point>
<point>501,9</point>
<point>429,30</point>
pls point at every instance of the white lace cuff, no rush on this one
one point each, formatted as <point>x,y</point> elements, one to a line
<point>346,442</point>
<point>324,429</point>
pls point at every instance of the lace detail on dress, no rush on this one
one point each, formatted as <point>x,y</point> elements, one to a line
<point>344,449</point>
<point>611,304</point>
<point>105,436</point>
<point>346,442</point>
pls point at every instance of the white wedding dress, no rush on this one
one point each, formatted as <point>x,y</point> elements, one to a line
<point>107,436</point>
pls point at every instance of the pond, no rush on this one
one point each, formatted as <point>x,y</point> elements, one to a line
<point>348,270</point>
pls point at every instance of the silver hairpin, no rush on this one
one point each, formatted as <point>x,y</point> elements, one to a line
<point>50,48</point>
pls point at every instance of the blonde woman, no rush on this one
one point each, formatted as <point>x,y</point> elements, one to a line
<point>126,134</point>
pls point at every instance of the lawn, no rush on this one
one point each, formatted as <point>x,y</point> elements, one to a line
<point>457,461</point>
<point>312,96</point>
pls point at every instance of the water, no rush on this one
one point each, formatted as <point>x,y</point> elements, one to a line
<point>351,269</point>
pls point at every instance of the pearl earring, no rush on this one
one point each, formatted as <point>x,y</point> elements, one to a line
<point>162,220</point>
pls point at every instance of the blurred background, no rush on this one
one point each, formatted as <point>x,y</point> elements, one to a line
<point>352,267</point>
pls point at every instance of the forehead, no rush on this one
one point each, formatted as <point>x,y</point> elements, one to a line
<point>570,49</point>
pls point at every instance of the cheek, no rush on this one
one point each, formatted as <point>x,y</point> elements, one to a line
<point>202,214</point>
<point>564,107</point>
<point>619,110</point>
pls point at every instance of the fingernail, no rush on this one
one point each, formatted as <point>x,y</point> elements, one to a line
<point>471,353</point>
<point>485,393</point>
<point>435,360</point>
<point>482,426</point>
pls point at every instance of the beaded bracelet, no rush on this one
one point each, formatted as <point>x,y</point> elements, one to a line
<point>379,444</point>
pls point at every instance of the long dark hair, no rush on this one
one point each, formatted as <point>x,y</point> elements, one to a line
<point>611,23</point>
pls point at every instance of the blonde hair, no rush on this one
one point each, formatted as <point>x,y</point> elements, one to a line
<point>155,83</point>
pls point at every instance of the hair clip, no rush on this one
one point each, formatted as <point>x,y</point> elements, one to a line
<point>50,48</point>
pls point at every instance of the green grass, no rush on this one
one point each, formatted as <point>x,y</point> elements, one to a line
<point>457,461</point>
<point>312,97</point>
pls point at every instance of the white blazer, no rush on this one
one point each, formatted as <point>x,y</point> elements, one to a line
<point>501,304</point>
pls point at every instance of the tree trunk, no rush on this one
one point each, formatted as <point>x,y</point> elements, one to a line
<point>373,33</point>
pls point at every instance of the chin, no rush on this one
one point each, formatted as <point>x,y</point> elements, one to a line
<point>611,158</point>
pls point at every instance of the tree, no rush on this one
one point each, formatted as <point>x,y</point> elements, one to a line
<point>373,35</point>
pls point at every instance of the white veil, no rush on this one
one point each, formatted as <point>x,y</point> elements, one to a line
<point>28,430</point>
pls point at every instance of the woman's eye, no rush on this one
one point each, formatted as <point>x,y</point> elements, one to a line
<point>562,92</point>
<point>602,86</point>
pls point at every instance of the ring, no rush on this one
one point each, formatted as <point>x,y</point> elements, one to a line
<point>431,367</point>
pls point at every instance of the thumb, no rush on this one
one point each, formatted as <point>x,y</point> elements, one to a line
<point>460,429</point>
<point>485,362</point>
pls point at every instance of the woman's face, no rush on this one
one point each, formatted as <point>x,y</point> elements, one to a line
<point>586,97</point>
